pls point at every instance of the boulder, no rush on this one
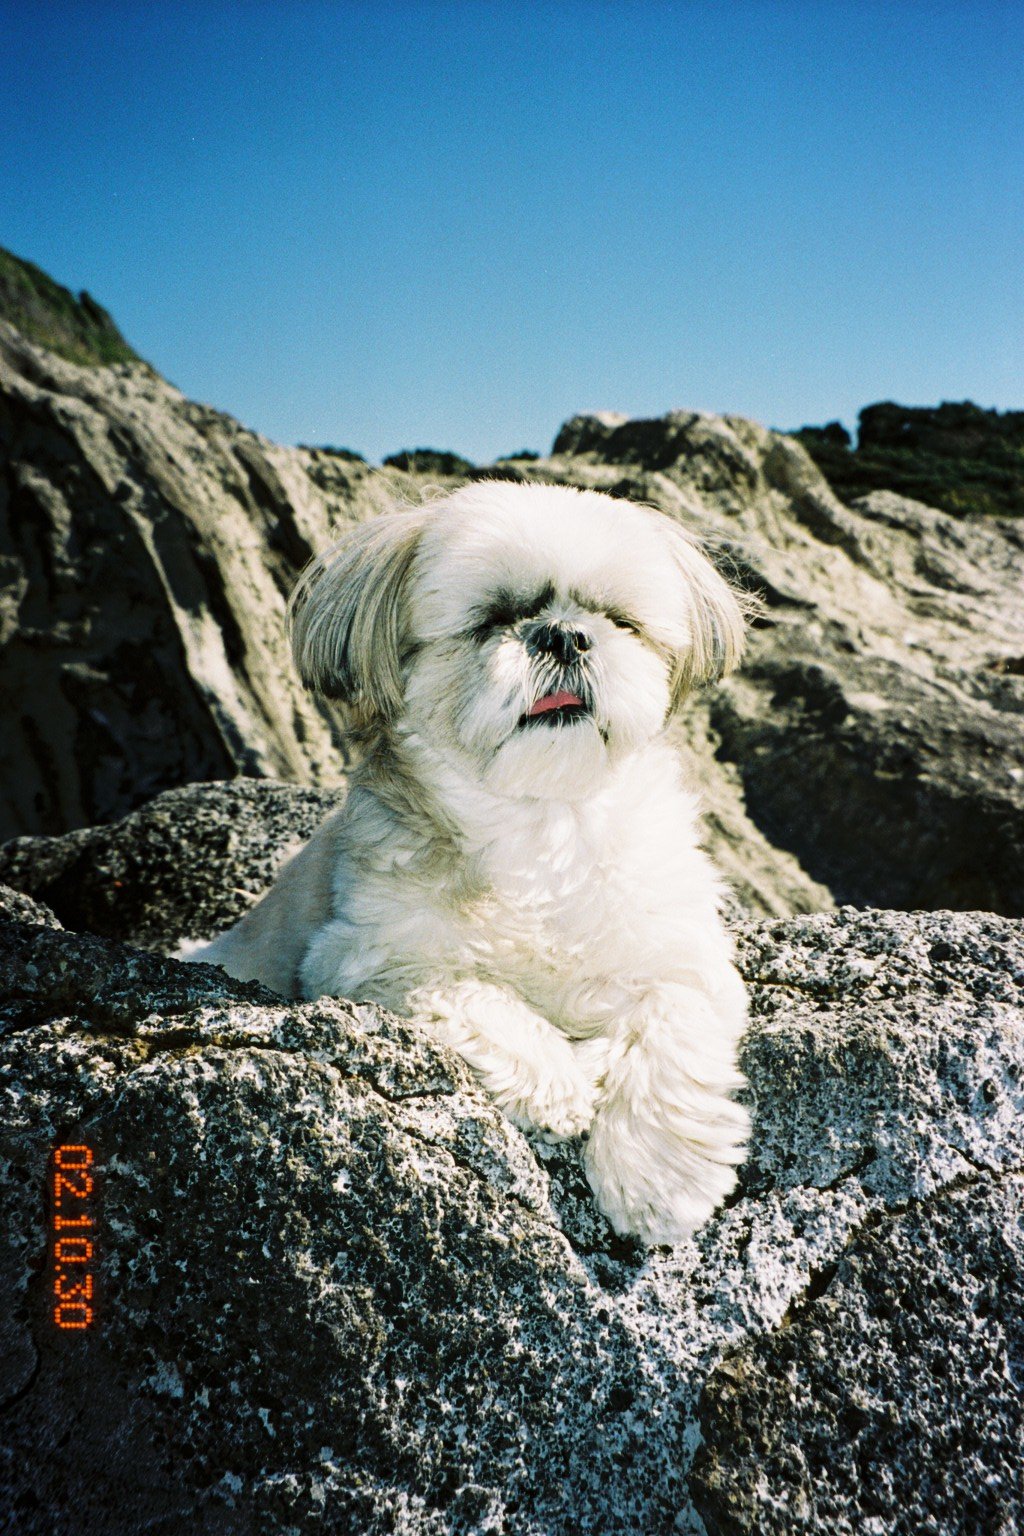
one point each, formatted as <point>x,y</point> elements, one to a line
<point>186,865</point>
<point>336,1290</point>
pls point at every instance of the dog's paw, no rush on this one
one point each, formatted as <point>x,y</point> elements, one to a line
<point>660,1180</point>
<point>559,1104</point>
<point>525,1064</point>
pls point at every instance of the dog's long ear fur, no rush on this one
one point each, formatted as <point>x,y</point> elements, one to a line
<point>346,614</point>
<point>717,616</point>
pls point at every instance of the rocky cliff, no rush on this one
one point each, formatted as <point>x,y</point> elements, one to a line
<point>147,547</point>
<point>870,751</point>
<point>333,1290</point>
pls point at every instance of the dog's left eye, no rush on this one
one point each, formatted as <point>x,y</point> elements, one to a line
<point>623,621</point>
<point>491,622</point>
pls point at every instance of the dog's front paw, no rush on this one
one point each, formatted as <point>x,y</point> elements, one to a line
<point>525,1064</point>
<point>560,1103</point>
<point>659,1179</point>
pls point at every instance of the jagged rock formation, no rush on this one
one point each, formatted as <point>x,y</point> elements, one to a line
<point>147,547</point>
<point>336,1290</point>
<point>870,751</point>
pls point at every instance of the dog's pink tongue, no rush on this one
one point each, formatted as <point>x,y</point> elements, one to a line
<point>555,701</point>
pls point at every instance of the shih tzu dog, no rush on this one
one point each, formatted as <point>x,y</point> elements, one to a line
<point>516,865</point>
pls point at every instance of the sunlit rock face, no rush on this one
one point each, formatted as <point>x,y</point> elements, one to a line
<point>147,548</point>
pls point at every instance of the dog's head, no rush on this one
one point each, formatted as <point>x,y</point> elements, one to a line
<point>536,634</point>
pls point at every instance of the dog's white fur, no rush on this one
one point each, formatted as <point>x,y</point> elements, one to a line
<point>530,890</point>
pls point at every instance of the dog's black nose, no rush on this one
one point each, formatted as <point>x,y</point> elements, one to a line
<point>562,641</point>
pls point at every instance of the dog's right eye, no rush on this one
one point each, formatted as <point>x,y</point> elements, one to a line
<point>498,615</point>
<point>506,609</point>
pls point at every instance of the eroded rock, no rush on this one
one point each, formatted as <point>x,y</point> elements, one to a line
<point>147,547</point>
<point>869,751</point>
<point>186,865</point>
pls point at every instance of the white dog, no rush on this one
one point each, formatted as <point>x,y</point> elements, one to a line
<point>516,865</point>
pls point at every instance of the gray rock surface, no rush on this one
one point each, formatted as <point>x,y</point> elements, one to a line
<point>338,1291</point>
<point>16,907</point>
<point>147,547</point>
<point>186,865</point>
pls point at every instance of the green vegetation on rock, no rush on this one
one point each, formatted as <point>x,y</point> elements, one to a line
<point>349,454</point>
<point>955,456</point>
<point>51,316</point>
<point>429,461</point>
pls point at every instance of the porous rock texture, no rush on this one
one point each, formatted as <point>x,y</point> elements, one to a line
<point>870,751</point>
<point>186,865</point>
<point>338,1292</point>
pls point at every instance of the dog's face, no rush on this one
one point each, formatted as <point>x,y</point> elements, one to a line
<point>534,634</point>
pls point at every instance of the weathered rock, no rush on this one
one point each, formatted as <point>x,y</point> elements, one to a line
<point>16,907</point>
<point>147,547</point>
<point>922,1428</point>
<point>874,731</point>
<point>338,1291</point>
<point>186,865</point>
<point>870,750</point>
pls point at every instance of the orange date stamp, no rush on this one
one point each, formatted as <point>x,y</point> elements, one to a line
<point>73,1238</point>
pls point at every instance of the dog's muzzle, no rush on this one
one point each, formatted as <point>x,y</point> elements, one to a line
<point>563,644</point>
<point>563,641</point>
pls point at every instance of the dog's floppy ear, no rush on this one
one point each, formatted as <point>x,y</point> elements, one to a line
<point>716,616</point>
<point>346,615</point>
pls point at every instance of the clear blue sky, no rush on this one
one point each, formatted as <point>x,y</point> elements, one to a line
<point>399,224</point>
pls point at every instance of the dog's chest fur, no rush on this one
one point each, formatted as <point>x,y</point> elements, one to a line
<point>566,903</point>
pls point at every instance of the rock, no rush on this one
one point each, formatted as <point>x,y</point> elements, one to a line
<point>336,1290</point>
<point>922,1428</point>
<point>147,879</point>
<point>874,730</point>
<point>147,547</point>
<point>16,907</point>
<point>870,750</point>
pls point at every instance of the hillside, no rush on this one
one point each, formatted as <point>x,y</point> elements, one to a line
<point>75,328</point>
